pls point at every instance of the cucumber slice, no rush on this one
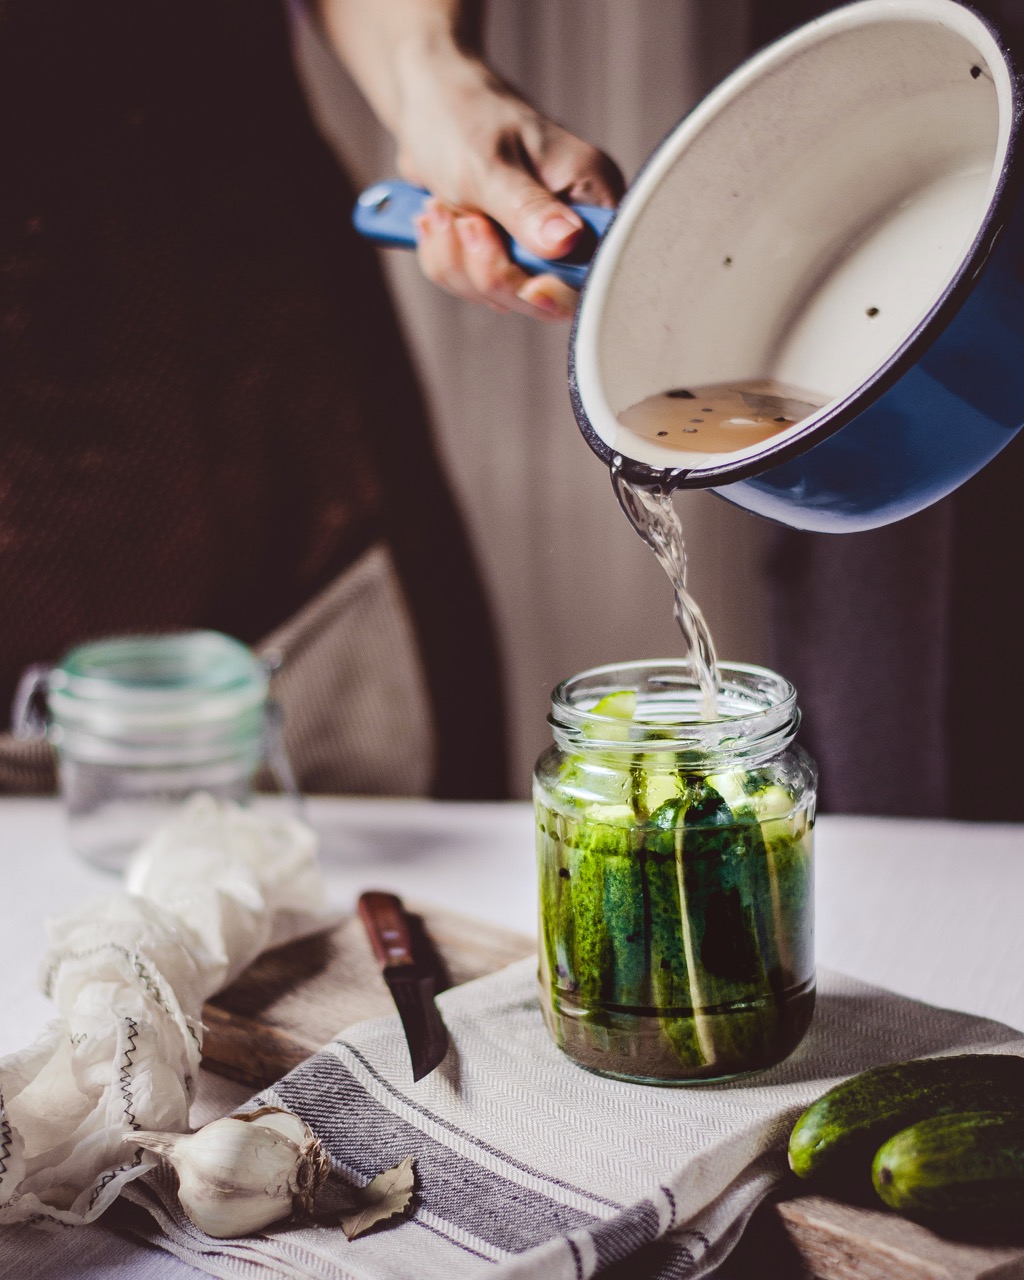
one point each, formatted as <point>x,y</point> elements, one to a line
<point>620,705</point>
<point>619,708</point>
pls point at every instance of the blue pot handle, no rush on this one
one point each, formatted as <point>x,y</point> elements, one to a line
<point>385,213</point>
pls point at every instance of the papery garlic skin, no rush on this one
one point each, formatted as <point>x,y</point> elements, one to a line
<point>240,1174</point>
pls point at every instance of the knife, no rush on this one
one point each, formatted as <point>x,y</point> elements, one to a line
<point>411,981</point>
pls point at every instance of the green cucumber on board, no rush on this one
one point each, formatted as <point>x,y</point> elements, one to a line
<point>965,1168</point>
<point>835,1140</point>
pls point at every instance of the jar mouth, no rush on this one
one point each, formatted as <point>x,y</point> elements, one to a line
<point>156,683</point>
<point>757,713</point>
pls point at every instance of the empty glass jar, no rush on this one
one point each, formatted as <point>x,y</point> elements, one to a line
<point>139,723</point>
<point>676,884</point>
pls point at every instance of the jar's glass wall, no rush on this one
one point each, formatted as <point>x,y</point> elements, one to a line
<point>110,811</point>
<point>676,901</point>
<point>140,723</point>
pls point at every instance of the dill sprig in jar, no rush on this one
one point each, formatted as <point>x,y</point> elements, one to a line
<point>676,875</point>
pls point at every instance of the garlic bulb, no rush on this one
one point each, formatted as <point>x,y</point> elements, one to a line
<point>240,1174</point>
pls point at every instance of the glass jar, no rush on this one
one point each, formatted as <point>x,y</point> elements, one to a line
<point>676,879</point>
<point>139,723</point>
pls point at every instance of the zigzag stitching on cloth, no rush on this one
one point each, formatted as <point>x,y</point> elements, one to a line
<point>134,959</point>
<point>125,1073</point>
<point>125,1085</point>
<point>111,1174</point>
<point>6,1137</point>
<point>131,956</point>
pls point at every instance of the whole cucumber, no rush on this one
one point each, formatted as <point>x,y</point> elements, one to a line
<point>835,1139</point>
<point>965,1168</point>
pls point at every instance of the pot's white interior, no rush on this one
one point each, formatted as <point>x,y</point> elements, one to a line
<point>803,220</point>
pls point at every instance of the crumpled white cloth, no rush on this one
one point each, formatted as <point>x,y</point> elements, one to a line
<point>128,974</point>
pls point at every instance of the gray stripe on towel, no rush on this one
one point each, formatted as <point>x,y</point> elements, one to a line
<point>363,1135</point>
<point>471,1137</point>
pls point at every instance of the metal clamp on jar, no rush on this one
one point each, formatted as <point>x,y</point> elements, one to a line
<point>140,723</point>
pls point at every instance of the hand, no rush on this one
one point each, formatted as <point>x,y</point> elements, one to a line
<point>486,153</point>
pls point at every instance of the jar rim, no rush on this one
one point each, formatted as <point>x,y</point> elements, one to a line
<point>757,711</point>
<point>158,681</point>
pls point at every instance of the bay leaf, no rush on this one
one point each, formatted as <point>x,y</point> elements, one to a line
<point>388,1194</point>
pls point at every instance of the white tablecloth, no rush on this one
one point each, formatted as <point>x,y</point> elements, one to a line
<point>929,909</point>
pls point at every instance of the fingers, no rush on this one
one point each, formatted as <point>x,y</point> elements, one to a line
<point>552,296</point>
<point>579,172</point>
<point>463,253</point>
<point>520,193</point>
<point>530,212</point>
<point>582,174</point>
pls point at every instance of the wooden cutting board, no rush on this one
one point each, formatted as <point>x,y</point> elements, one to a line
<point>295,999</point>
<point>837,1241</point>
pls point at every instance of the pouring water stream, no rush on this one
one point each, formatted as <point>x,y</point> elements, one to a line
<point>652,515</point>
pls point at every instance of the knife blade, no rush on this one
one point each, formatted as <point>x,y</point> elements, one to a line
<point>411,980</point>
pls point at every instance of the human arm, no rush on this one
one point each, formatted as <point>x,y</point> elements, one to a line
<point>478,145</point>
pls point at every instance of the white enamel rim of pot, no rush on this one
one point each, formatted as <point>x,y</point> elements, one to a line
<point>806,222</point>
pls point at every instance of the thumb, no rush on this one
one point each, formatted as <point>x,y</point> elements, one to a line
<point>529,212</point>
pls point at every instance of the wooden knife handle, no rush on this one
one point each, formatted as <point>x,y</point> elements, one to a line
<point>387,928</point>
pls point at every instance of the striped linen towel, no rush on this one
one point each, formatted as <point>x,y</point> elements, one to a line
<point>528,1166</point>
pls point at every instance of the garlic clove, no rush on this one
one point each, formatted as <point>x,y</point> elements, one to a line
<point>285,1122</point>
<point>312,1169</point>
<point>239,1175</point>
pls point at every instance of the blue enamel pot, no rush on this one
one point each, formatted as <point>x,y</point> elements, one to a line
<point>842,214</point>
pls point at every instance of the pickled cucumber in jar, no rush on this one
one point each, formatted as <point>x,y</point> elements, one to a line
<point>676,898</point>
